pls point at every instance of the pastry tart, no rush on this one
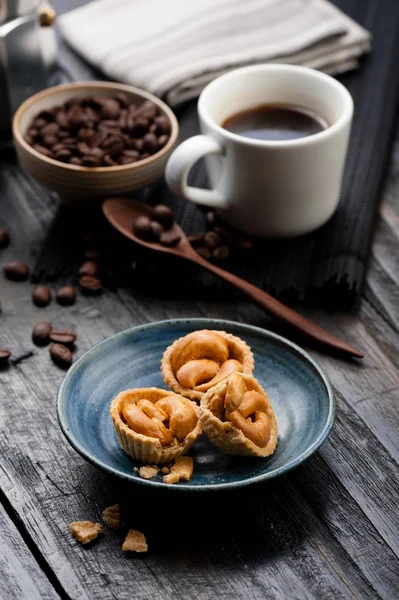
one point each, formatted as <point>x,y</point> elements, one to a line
<point>153,425</point>
<point>238,418</point>
<point>200,360</point>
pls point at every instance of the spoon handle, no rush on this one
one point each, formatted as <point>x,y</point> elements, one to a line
<point>280,311</point>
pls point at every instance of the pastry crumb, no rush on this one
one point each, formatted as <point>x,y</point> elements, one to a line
<point>136,469</point>
<point>112,516</point>
<point>165,470</point>
<point>148,471</point>
<point>181,470</point>
<point>85,531</point>
<point>183,467</point>
<point>171,478</point>
<point>135,542</point>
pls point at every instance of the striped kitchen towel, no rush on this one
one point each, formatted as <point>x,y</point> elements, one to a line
<point>173,48</point>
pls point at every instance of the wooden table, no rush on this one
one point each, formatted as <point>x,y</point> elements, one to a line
<point>328,530</point>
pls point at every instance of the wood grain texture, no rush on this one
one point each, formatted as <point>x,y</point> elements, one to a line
<point>328,530</point>
<point>20,575</point>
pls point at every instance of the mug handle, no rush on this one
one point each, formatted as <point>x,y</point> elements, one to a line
<point>179,166</point>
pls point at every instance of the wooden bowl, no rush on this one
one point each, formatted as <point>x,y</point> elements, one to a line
<point>74,184</point>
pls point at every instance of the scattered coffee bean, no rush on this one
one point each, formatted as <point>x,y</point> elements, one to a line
<point>4,238</point>
<point>99,131</point>
<point>212,240</point>
<point>196,240</point>
<point>5,354</point>
<point>16,271</point>
<point>245,243</point>
<point>41,296</point>
<point>88,268</point>
<point>221,253</point>
<point>63,336</point>
<point>90,285</point>
<point>204,252</point>
<point>66,295</point>
<point>41,333</point>
<point>92,255</point>
<point>61,355</point>
<point>170,238</point>
<point>210,218</point>
<point>163,214</point>
<point>142,227</point>
<point>157,229</point>
<point>223,231</point>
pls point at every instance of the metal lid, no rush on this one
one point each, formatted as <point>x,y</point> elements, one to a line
<point>11,9</point>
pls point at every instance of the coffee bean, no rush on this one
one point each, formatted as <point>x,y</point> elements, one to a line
<point>97,153</point>
<point>61,355</point>
<point>221,253</point>
<point>5,354</point>
<point>63,336</point>
<point>148,109</point>
<point>150,143</point>
<point>46,114</point>
<point>50,129</point>
<point>162,141</point>
<point>108,161</point>
<point>66,295</point>
<point>92,255</point>
<point>63,155</point>
<point>90,285</point>
<point>43,150</point>
<point>142,227</point>
<point>223,231</point>
<point>112,145</point>
<point>123,99</point>
<point>110,108</point>
<point>170,238</point>
<point>41,333</point>
<point>163,214</point>
<point>210,217</point>
<point>84,148</point>
<point>88,268</point>
<point>204,252</point>
<point>91,161</point>
<point>74,160</point>
<point>16,271</point>
<point>245,243</point>
<point>196,240</point>
<point>61,119</point>
<point>157,229</point>
<point>38,123</point>
<point>163,124</point>
<point>85,134</point>
<point>4,238</point>
<point>212,239</point>
<point>41,296</point>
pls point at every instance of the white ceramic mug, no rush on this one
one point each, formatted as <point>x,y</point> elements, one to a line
<point>268,188</point>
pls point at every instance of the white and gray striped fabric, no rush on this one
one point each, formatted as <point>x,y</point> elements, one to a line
<point>173,48</point>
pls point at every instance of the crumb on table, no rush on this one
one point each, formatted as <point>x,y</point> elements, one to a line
<point>135,542</point>
<point>112,516</point>
<point>85,531</point>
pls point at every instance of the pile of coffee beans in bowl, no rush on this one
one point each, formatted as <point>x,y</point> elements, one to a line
<point>99,131</point>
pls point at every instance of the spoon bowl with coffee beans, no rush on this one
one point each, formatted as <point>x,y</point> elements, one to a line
<point>156,229</point>
<point>95,139</point>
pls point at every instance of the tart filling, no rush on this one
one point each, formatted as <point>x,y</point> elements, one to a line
<point>202,359</point>
<point>154,425</point>
<point>238,418</point>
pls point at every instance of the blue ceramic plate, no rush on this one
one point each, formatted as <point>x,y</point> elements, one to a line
<point>299,391</point>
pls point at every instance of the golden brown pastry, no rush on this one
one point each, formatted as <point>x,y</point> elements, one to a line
<point>154,425</point>
<point>202,359</point>
<point>238,418</point>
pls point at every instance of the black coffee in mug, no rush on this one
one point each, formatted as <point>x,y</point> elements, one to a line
<point>275,122</point>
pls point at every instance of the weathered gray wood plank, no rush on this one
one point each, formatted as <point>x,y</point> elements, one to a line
<point>20,574</point>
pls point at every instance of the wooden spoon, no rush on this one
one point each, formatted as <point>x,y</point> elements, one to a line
<point>122,212</point>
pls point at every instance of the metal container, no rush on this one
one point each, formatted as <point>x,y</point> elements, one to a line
<point>27,54</point>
